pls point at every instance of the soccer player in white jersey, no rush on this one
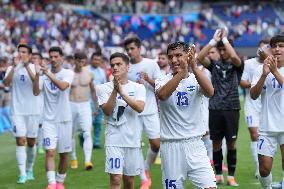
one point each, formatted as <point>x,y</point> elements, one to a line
<point>25,111</point>
<point>121,101</point>
<point>145,71</point>
<point>81,87</point>
<point>183,152</point>
<point>57,120</point>
<point>252,108</point>
<point>267,82</point>
<point>37,59</point>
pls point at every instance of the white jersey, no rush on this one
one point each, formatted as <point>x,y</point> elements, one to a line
<point>152,69</point>
<point>56,102</point>
<point>272,101</point>
<point>123,128</point>
<point>23,101</point>
<point>205,101</point>
<point>181,112</point>
<point>250,67</point>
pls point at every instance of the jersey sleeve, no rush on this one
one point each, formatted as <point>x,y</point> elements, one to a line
<point>8,71</point>
<point>69,77</point>
<point>101,94</point>
<point>245,75</point>
<point>160,82</point>
<point>141,93</point>
<point>256,76</point>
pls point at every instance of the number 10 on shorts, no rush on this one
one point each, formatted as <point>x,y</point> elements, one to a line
<point>170,184</point>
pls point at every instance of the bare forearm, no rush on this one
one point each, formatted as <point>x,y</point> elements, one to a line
<point>31,74</point>
<point>8,80</point>
<point>138,106</point>
<point>166,91</point>
<point>109,106</point>
<point>202,56</point>
<point>256,90</point>
<point>151,82</point>
<point>234,57</point>
<point>245,84</point>
<point>62,85</point>
<point>36,90</point>
<point>205,84</point>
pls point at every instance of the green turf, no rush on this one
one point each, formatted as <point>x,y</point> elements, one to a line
<point>97,179</point>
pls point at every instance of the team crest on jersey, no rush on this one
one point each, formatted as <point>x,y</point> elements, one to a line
<point>190,88</point>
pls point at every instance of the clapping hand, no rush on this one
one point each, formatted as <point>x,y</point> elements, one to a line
<point>191,57</point>
<point>217,35</point>
<point>117,84</point>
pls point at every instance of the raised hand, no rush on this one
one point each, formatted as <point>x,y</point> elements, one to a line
<point>117,84</point>
<point>144,76</point>
<point>191,56</point>
<point>266,65</point>
<point>224,32</point>
<point>17,60</point>
<point>272,64</point>
<point>44,67</point>
<point>38,69</point>
<point>217,35</point>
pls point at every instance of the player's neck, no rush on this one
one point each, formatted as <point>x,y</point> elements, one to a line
<point>78,69</point>
<point>136,60</point>
<point>56,69</point>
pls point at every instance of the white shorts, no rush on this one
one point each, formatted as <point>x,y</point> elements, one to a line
<point>252,118</point>
<point>57,135</point>
<point>267,143</point>
<point>25,125</point>
<point>123,161</point>
<point>151,125</point>
<point>186,159</point>
<point>81,116</point>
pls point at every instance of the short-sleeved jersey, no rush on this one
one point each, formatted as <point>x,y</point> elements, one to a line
<point>181,114</point>
<point>250,67</point>
<point>56,102</point>
<point>272,102</point>
<point>152,69</point>
<point>225,80</point>
<point>23,101</point>
<point>123,128</point>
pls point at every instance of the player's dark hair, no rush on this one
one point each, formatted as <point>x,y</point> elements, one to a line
<point>276,39</point>
<point>56,49</point>
<point>178,44</point>
<point>265,41</point>
<point>97,53</point>
<point>37,54</point>
<point>25,46</point>
<point>134,40</point>
<point>120,55</point>
<point>221,44</point>
<point>163,53</point>
<point>80,55</point>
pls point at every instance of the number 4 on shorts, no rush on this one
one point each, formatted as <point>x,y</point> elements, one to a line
<point>170,184</point>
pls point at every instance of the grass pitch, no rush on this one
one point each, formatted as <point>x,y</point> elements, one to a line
<point>98,179</point>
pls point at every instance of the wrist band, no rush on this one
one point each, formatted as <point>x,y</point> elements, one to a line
<point>225,40</point>
<point>212,42</point>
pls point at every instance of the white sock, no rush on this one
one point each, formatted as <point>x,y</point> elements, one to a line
<point>21,157</point>
<point>87,146</point>
<point>266,181</point>
<point>253,147</point>
<point>39,137</point>
<point>73,154</point>
<point>60,177</point>
<point>51,177</point>
<point>224,148</point>
<point>151,156</point>
<point>208,145</point>
<point>142,166</point>
<point>31,154</point>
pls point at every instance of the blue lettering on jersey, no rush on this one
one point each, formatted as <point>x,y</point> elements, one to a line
<point>182,99</point>
<point>22,78</point>
<point>275,84</point>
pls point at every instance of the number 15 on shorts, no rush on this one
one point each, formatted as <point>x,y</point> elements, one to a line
<point>170,184</point>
